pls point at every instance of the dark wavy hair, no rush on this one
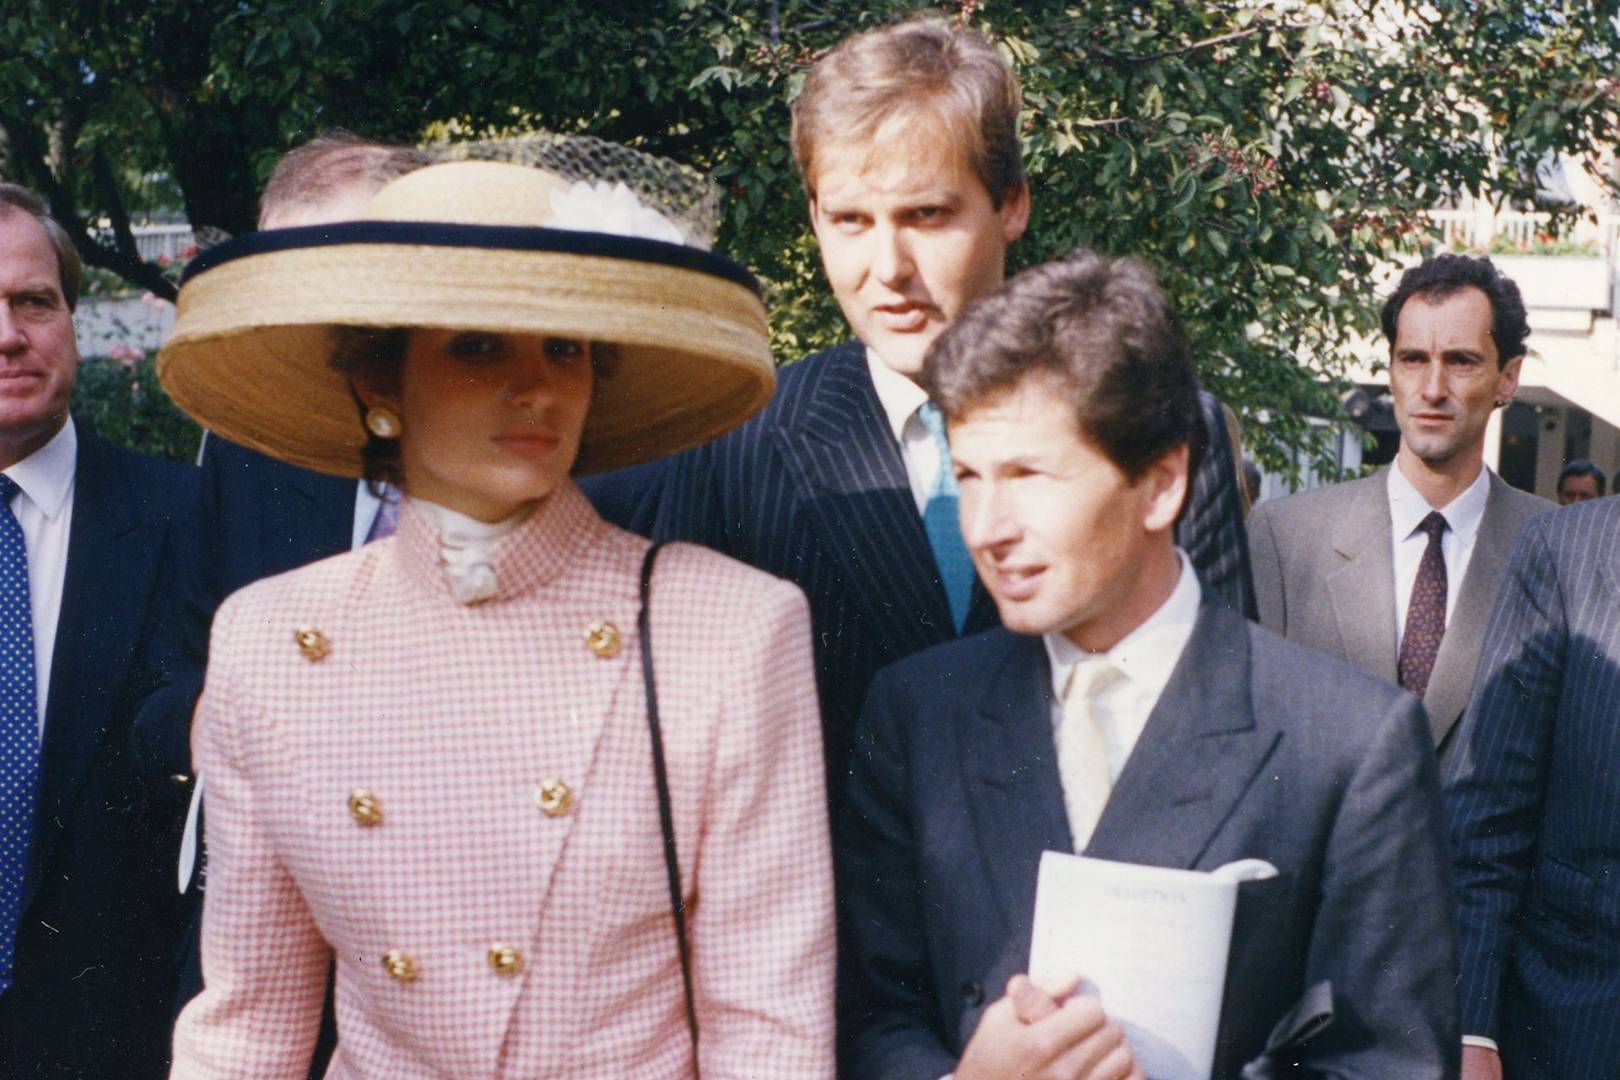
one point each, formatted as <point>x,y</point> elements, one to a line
<point>1445,275</point>
<point>1104,329</point>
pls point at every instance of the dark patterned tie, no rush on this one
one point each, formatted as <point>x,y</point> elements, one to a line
<point>19,727</point>
<point>1426,613</point>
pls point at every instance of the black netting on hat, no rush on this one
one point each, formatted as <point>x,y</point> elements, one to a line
<point>688,198</point>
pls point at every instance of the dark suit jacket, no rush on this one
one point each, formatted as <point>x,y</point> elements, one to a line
<point>1533,796</point>
<point>1324,574</point>
<point>1257,748</point>
<point>814,490</point>
<point>258,517</point>
<point>92,974</point>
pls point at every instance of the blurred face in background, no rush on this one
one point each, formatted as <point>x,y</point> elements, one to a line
<point>908,234</point>
<point>1577,488</point>
<point>39,356</point>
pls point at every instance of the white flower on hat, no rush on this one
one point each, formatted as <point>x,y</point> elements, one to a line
<point>609,208</point>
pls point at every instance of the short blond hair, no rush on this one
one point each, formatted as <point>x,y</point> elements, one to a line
<point>922,63</point>
<point>331,162</point>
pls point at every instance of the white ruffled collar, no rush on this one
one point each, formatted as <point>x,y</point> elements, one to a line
<point>467,549</point>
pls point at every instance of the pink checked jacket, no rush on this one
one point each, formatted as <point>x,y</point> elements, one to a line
<point>458,802</point>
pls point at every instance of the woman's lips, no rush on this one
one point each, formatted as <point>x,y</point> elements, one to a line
<point>528,441</point>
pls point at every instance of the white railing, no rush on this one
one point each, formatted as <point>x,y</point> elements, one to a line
<point>1477,229</point>
<point>163,243</point>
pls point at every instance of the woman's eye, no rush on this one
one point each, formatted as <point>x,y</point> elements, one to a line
<point>564,350</point>
<point>474,346</point>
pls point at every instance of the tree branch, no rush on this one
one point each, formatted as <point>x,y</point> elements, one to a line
<point>107,184</point>
<point>1206,43</point>
<point>28,152</point>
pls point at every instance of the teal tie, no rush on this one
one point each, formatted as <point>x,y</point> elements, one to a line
<point>941,524</point>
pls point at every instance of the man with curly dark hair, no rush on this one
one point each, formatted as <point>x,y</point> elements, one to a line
<point>1396,572</point>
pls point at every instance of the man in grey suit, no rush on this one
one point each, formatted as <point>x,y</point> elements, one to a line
<point>1124,713</point>
<point>1396,572</point>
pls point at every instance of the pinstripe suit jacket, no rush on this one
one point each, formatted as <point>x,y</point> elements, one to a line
<point>1533,797</point>
<point>814,490</point>
<point>451,716</point>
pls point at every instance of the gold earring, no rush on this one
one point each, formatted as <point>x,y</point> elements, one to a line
<point>382,422</point>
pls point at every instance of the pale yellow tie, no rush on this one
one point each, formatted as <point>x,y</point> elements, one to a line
<point>1082,749</point>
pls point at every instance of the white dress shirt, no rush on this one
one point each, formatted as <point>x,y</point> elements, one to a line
<point>1146,656</point>
<point>366,506</point>
<point>1406,509</point>
<point>44,509</point>
<point>901,398</point>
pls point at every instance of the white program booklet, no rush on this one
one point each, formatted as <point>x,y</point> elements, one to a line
<point>1151,943</point>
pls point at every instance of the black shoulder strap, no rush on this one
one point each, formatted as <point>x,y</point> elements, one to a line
<point>665,817</point>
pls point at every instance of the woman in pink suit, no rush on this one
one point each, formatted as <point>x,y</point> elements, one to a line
<point>432,757</point>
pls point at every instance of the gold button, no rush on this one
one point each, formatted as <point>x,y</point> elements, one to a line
<point>364,807</point>
<point>602,638</point>
<point>553,797</point>
<point>180,778</point>
<point>399,965</point>
<point>312,643</point>
<point>505,959</point>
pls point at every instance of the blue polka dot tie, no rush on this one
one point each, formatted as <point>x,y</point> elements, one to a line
<point>19,727</point>
<point>941,524</point>
<point>1426,612</point>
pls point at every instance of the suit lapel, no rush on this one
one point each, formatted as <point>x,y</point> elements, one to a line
<point>1197,754</point>
<point>103,602</point>
<point>1362,588</point>
<point>1452,679</point>
<point>858,498</point>
<point>1010,775</point>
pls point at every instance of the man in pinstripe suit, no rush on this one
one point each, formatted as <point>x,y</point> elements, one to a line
<point>1533,797</point>
<point>907,140</point>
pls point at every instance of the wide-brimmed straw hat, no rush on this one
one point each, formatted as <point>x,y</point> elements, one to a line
<point>475,245</point>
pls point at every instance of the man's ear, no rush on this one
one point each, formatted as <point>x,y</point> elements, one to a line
<point>1167,488</point>
<point>1014,211</point>
<point>1507,382</point>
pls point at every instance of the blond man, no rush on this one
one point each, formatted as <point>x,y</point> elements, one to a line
<point>906,139</point>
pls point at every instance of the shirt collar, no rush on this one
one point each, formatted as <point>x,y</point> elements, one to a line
<point>46,475</point>
<point>899,396</point>
<point>1407,507</point>
<point>1148,654</point>
<point>520,554</point>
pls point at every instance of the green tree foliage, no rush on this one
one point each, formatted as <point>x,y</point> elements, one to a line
<point>123,402</point>
<point>1267,156</point>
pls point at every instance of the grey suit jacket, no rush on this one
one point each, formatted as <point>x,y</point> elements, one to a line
<point>1324,576</point>
<point>1256,748</point>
